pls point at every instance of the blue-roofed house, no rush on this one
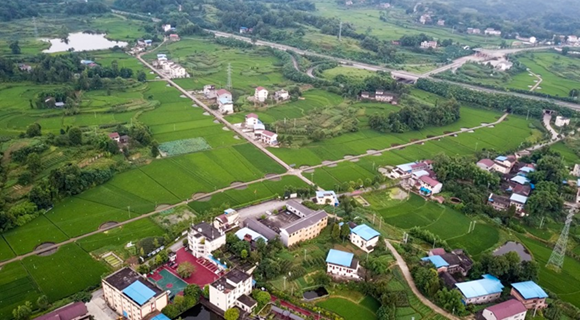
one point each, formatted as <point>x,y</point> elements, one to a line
<point>342,264</point>
<point>438,262</point>
<point>519,202</point>
<point>530,294</point>
<point>364,237</point>
<point>227,221</point>
<point>520,179</point>
<point>326,197</point>
<point>480,291</point>
<point>132,295</point>
<point>526,170</point>
<point>504,164</point>
<point>225,105</point>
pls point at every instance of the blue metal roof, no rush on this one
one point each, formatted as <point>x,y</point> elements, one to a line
<point>365,232</point>
<point>230,210</point>
<point>527,169</point>
<point>161,316</point>
<point>438,261</point>
<point>339,258</point>
<point>139,292</point>
<point>520,179</point>
<point>225,100</point>
<point>482,287</point>
<point>406,166</point>
<point>421,173</point>
<point>518,198</point>
<point>501,158</point>
<point>529,290</point>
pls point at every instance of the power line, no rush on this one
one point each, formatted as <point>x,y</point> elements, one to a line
<point>557,257</point>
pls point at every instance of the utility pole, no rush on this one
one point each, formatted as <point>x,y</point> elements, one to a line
<point>340,31</point>
<point>35,28</point>
<point>229,84</point>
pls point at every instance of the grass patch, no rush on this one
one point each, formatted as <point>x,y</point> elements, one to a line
<point>24,239</point>
<point>347,309</point>
<point>16,287</point>
<point>5,250</point>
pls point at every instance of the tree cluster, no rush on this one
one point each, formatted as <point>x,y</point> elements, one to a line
<point>191,296</point>
<point>508,268</point>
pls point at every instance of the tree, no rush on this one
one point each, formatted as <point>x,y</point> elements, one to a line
<point>141,76</point>
<point>154,149</point>
<point>232,314</point>
<point>565,51</point>
<point>244,254</point>
<point>75,136</point>
<point>185,270</point>
<point>33,163</point>
<point>450,300</point>
<point>42,302</point>
<point>344,231</point>
<point>23,312</point>
<point>15,47</point>
<point>335,233</point>
<point>262,297</point>
<point>206,291</point>
<point>193,291</point>
<point>33,130</point>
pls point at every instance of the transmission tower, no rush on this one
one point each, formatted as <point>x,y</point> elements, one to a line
<point>229,84</point>
<point>35,28</point>
<point>557,257</point>
<point>340,31</point>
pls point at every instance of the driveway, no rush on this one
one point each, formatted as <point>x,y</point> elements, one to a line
<point>99,309</point>
<point>258,210</point>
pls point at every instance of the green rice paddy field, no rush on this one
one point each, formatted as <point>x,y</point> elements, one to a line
<point>16,286</point>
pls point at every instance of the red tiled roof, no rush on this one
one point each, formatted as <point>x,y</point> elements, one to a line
<point>113,135</point>
<point>268,133</point>
<point>486,162</point>
<point>222,91</point>
<point>173,35</point>
<point>437,251</point>
<point>507,309</point>
<point>260,88</point>
<point>69,312</point>
<point>430,181</point>
<point>252,115</point>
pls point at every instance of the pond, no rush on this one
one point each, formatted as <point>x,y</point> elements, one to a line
<point>199,312</point>
<point>315,294</point>
<point>82,42</point>
<point>516,247</point>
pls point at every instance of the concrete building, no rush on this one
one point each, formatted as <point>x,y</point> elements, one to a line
<point>232,290</point>
<point>453,262</point>
<point>260,94</point>
<point>133,296</point>
<point>498,202</point>
<point>492,32</point>
<point>225,106</point>
<point>507,310</point>
<point>307,227</point>
<point>268,137</point>
<point>562,121</point>
<point>480,291</point>
<point>429,44</point>
<point>281,95</point>
<point>72,311</point>
<point>485,164</point>
<point>503,164</point>
<point>342,264</point>
<point>223,93</point>
<point>209,91</point>
<point>326,197</point>
<point>364,237</point>
<point>428,186</point>
<point>518,201</point>
<point>530,294</point>
<point>227,221</point>
<point>251,120</point>
<point>424,19</point>
<point>204,238</point>
<point>473,31</point>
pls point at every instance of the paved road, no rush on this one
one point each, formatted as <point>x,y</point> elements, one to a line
<point>546,121</point>
<point>258,210</point>
<point>407,274</point>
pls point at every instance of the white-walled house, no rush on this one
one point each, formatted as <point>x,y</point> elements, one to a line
<point>232,290</point>
<point>260,94</point>
<point>507,310</point>
<point>204,238</point>
<point>504,164</point>
<point>227,221</point>
<point>364,237</point>
<point>251,120</point>
<point>209,91</point>
<point>562,121</point>
<point>225,106</point>
<point>223,93</point>
<point>131,295</point>
<point>326,197</point>
<point>268,137</point>
<point>428,185</point>
<point>281,95</point>
<point>342,264</point>
<point>481,291</point>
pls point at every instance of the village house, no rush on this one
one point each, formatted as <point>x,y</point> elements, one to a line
<point>260,94</point>
<point>518,201</point>
<point>161,57</point>
<point>133,296</point>
<point>209,91</point>
<point>24,67</point>
<point>453,262</point>
<point>480,291</point>
<point>498,202</point>
<point>530,294</point>
<point>503,164</point>
<point>204,238</point>
<point>251,120</point>
<point>424,19</point>
<point>281,95</point>
<point>223,93</point>
<point>440,22</point>
<point>428,186</point>
<point>115,136</point>
<point>576,171</point>
<point>492,32</point>
<point>249,235</point>
<point>364,237</point>
<point>225,106</point>
<point>166,27</point>
<point>174,37</point>
<point>572,39</point>
<point>244,30</point>
<point>507,310</point>
<point>473,31</point>
<point>174,71</point>
<point>72,311</point>
<point>500,64</point>
<point>227,221</point>
<point>405,170</point>
<point>485,164</point>
<point>342,264</point>
<point>429,44</point>
<point>232,290</point>
<point>561,121</point>
<point>148,42</point>
<point>260,228</point>
<point>268,137</point>
<point>326,197</point>
<point>307,227</point>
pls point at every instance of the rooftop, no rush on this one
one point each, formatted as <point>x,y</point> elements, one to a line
<point>305,222</point>
<point>486,162</point>
<point>207,230</point>
<point>407,167</point>
<point>507,309</point>
<point>365,232</point>
<point>260,228</point>
<point>247,301</point>
<point>520,179</point>
<point>69,312</point>
<point>223,91</point>
<point>252,115</point>
<point>340,258</point>
<point>224,100</point>
<point>530,290</point>
<point>501,158</point>
<point>125,277</point>
<point>430,181</point>
<point>300,207</point>
<point>139,292</point>
<point>437,261</point>
<point>518,198</point>
<point>260,88</point>
<point>247,231</point>
<point>437,252</point>
<point>482,287</point>
<point>268,133</point>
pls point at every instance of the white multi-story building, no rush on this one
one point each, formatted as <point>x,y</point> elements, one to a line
<point>251,120</point>
<point>507,310</point>
<point>261,94</point>
<point>225,106</point>
<point>492,32</point>
<point>269,137</point>
<point>229,220</point>
<point>133,296</point>
<point>364,237</point>
<point>342,264</point>
<point>204,238</point>
<point>209,91</point>
<point>232,290</point>
<point>326,197</point>
<point>281,95</point>
<point>504,164</point>
<point>429,44</point>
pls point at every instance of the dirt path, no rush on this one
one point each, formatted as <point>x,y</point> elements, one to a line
<point>407,274</point>
<point>537,83</point>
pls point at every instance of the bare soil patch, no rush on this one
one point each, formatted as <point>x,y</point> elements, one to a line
<point>47,252</point>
